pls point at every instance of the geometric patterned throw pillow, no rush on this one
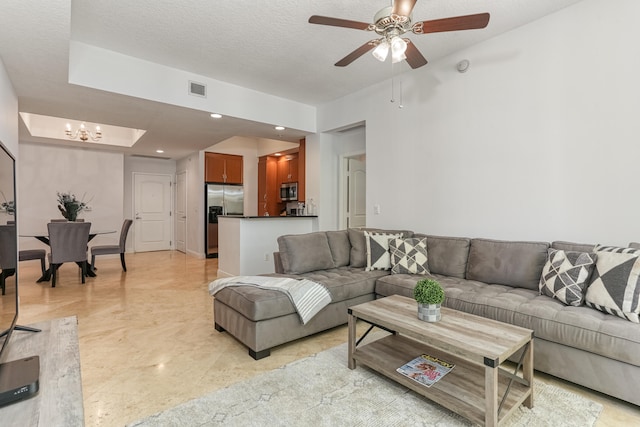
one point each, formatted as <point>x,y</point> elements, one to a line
<point>565,275</point>
<point>409,256</point>
<point>378,250</point>
<point>615,283</point>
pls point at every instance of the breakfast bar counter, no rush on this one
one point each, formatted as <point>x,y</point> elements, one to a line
<point>247,243</point>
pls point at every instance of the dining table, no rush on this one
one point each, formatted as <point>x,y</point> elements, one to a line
<point>43,236</point>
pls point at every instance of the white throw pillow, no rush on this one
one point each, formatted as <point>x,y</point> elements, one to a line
<point>378,257</point>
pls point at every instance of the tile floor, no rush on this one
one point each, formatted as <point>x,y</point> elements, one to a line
<point>147,340</point>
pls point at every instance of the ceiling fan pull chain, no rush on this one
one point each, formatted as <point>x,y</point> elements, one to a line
<point>393,92</point>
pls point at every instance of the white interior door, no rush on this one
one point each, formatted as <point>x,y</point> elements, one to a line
<point>357,192</point>
<point>152,206</point>
<point>181,212</point>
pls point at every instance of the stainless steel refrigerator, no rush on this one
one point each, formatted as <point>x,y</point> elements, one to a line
<point>221,199</point>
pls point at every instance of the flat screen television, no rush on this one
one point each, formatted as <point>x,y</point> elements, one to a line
<point>18,378</point>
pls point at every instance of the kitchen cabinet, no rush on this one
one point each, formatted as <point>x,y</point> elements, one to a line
<point>288,169</point>
<point>275,170</point>
<point>268,194</point>
<point>223,168</point>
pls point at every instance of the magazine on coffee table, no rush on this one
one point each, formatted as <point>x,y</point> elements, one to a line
<point>425,369</point>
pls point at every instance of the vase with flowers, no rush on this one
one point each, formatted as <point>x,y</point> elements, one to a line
<point>70,206</point>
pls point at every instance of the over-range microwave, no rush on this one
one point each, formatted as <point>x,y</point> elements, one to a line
<point>289,191</point>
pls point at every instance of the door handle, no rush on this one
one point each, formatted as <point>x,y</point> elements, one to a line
<point>138,217</point>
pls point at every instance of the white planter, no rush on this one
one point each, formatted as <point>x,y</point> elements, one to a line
<point>429,312</point>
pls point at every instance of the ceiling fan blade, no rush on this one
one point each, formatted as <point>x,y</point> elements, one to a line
<point>403,7</point>
<point>336,22</point>
<point>355,54</point>
<point>456,23</point>
<point>414,57</point>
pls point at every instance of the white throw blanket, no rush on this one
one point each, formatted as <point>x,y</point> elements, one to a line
<point>307,297</point>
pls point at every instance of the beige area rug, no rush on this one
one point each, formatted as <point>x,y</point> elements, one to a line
<point>321,391</point>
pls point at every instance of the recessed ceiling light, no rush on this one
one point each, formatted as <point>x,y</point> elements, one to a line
<point>279,127</point>
<point>277,154</point>
<point>159,151</point>
<point>216,115</point>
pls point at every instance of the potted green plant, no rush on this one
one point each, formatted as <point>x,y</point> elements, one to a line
<point>429,295</point>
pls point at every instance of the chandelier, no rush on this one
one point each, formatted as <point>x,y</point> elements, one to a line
<point>83,134</point>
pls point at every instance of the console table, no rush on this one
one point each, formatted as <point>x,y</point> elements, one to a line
<point>59,400</point>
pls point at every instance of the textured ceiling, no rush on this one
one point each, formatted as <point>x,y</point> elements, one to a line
<point>264,45</point>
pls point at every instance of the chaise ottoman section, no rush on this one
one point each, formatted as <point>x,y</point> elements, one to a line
<point>262,319</point>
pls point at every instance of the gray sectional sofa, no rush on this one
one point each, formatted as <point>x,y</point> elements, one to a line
<point>490,278</point>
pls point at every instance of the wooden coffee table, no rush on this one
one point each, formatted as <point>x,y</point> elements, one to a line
<point>478,388</point>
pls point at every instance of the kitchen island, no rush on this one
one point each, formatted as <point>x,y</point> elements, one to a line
<point>247,243</point>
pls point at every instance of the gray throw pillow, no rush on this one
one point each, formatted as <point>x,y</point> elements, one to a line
<point>301,253</point>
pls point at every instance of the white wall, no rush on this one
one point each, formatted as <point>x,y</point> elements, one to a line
<point>114,72</point>
<point>195,203</point>
<point>93,176</point>
<point>538,140</point>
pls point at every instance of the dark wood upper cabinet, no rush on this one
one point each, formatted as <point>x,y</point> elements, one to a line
<point>223,168</point>
<point>288,168</point>
<point>268,195</point>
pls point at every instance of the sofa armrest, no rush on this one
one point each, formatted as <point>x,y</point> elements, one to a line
<point>277,263</point>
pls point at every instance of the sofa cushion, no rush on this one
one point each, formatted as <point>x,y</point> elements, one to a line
<point>409,256</point>
<point>398,284</point>
<point>358,253</point>
<point>579,327</point>
<point>301,253</point>
<point>345,283</point>
<point>571,246</point>
<point>340,247</point>
<point>510,263</point>
<point>258,304</point>
<point>378,257</point>
<point>615,284</point>
<point>447,255</point>
<point>565,275</point>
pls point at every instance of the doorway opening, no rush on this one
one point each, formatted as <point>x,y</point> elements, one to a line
<point>354,190</point>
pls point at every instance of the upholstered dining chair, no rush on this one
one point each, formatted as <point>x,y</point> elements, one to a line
<point>113,249</point>
<point>32,255</point>
<point>68,242</point>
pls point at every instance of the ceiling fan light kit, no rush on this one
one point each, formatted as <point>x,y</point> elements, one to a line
<point>391,23</point>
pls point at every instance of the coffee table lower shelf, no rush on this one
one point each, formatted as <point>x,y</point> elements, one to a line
<point>462,390</point>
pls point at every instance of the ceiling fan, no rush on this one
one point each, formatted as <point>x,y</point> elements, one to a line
<point>391,23</point>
